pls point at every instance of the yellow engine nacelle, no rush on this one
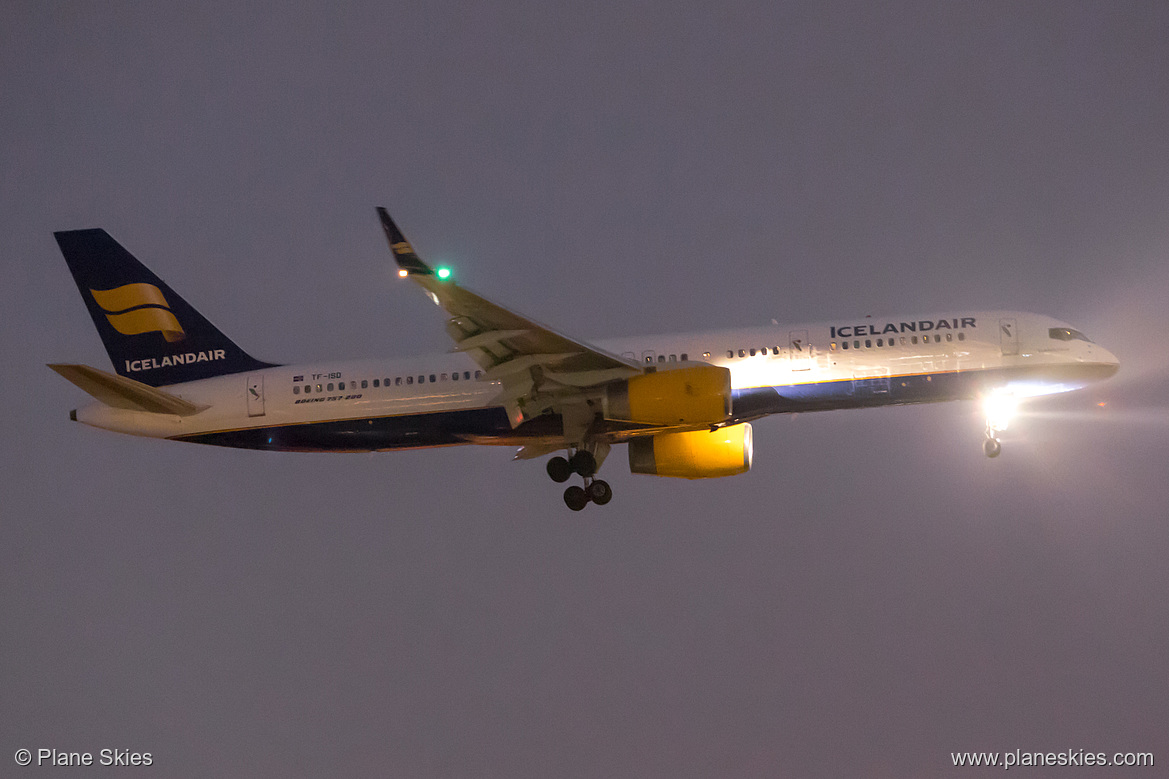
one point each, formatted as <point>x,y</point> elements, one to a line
<point>699,454</point>
<point>695,395</point>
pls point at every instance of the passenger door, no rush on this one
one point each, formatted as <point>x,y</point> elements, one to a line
<point>256,395</point>
<point>800,351</point>
<point>1009,336</point>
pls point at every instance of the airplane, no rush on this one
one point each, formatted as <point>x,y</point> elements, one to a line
<point>683,404</point>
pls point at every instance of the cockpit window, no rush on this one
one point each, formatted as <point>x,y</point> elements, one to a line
<point>1067,334</point>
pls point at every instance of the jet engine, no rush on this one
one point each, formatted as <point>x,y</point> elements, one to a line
<point>698,454</point>
<point>697,394</point>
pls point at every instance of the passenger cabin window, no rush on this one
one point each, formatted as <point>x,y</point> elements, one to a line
<point>752,352</point>
<point>296,389</point>
<point>409,379</point>
<point>730,353</point>
<point>743,352</point>
<point>685,357</point>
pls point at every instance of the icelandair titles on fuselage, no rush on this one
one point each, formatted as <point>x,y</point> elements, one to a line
<point>920,326</point>
<point>150,363</point>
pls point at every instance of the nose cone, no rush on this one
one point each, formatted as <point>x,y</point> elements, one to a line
<point>1110,359</point>
<point>1104,362</point>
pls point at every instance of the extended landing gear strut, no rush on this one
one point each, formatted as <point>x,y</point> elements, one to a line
<point>583,463</point>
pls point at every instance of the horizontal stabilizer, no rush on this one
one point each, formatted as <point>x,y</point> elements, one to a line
<point>120,392</point>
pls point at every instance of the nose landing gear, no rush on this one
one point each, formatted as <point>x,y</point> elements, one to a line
<point>992,446</point>
<point>583,463</point>
<point>999,407</point>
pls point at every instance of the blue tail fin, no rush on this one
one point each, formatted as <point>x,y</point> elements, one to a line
<point>152,335</point>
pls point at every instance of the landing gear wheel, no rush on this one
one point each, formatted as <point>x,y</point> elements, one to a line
<point>575,498</point>
<point>992,447</point>
<point>584,463</point>
<point>559,469</point>
<point>599,492</point>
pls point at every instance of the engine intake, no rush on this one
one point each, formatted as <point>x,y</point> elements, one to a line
<point>694,395</point>
<point>697,454</point>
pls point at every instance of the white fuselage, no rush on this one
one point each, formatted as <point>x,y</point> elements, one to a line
<point>774,369</point>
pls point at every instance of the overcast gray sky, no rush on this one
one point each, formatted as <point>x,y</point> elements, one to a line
<point>873,596</point>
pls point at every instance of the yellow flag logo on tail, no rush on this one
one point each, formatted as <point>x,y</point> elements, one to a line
<point>133,309</point>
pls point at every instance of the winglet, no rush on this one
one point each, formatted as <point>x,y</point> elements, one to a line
<point>403,252</point>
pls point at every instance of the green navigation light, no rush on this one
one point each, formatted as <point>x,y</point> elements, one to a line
<point>444,273</point>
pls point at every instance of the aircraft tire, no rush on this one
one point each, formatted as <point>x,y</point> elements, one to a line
<point>559,469</point>
<point>992,447</point>
<point>576,498</point>
<point>600,492</point>
<point>584,463</point>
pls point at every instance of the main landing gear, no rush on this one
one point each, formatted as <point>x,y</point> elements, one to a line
<point>583,463</point>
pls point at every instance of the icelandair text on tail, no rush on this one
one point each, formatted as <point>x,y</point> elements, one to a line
<point>1071,757</point>
<point>150,363</point>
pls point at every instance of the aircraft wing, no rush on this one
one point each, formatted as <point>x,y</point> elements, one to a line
<point>539,368</point>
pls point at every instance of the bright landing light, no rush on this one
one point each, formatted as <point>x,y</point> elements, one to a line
<point>999,408</point>
<point>403,273</point>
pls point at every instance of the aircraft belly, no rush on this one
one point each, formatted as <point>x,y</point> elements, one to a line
<point>366,434</point>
